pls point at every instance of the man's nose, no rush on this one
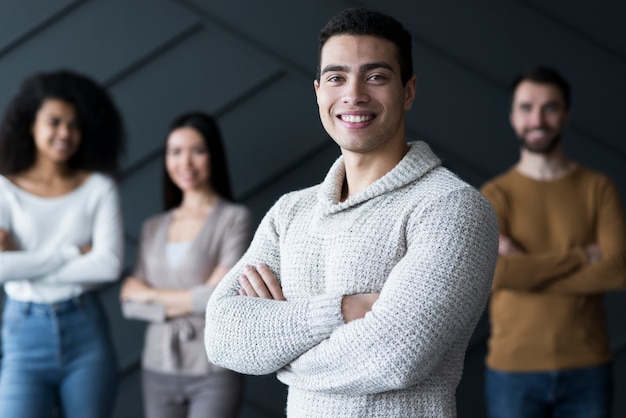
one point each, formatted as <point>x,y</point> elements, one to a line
<point>355,92</point>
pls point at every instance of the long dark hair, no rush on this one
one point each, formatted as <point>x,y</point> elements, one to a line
<point>208,129</point>
<point>101,127</point>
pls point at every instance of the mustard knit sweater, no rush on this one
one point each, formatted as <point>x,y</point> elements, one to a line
<point>546,308</point>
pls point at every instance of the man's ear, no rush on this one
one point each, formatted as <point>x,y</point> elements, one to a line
<point>409,92</point>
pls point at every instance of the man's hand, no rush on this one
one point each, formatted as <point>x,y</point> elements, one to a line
<point>507,246</point>
<point>356,306</point>
<point>594,253</point>
<point>135,290</point>
<point>260,282</point>
<point>6,241</point>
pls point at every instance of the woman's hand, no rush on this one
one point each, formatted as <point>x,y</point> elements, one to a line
<point>6,241</point>
<point>136,290</point>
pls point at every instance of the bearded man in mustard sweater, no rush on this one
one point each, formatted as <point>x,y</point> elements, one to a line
<point>562,246</point>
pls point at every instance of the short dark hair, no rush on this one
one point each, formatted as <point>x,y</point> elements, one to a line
<point>208,129</point>
<point>544,75</point>
<point>101,127</point>
<point>361,21</point>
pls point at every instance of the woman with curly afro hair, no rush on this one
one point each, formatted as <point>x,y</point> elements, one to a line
<point>60,240</point>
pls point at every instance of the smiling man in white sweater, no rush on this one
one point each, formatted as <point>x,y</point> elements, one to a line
<point>362,292</point>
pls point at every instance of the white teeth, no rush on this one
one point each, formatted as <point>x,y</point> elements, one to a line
<point>537,133</point>
<point>356,118</point>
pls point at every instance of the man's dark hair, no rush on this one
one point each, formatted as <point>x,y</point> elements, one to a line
<point>208,129</point>
<point>100,124</point>
<point>544,75</point>
<point>362,21</point>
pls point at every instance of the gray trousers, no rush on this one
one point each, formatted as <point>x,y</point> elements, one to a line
<point>218,395</point>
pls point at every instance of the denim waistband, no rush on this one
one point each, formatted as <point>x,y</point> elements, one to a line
<point>58,308</point>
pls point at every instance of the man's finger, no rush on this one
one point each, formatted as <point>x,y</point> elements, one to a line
<point>271,282</point>
<point>257,282</point>
<point>246,287</point>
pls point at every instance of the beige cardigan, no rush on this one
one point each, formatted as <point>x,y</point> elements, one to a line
<point>175,345</point>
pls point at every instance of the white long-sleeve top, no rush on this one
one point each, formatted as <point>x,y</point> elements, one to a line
<point>421,237</point>
<point>48,232</point>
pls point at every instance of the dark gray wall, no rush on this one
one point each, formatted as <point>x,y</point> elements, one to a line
<point>252,63</point>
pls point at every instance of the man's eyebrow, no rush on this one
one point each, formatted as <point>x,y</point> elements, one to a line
<point>363,68</point>
<point>374,65</point>
<point>335,67</point>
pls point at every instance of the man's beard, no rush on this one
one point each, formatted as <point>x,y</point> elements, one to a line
<point>545,149</point>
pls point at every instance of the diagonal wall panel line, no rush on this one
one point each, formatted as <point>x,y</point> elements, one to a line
<point>152,55</point>
<point>256,89</point>
<point>317,150</point>
<point>471,167</point>
<point>240,35</point>
<point>41,26</point>
<point>567,27</point>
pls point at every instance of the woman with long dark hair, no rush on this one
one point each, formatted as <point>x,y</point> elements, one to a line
<point>60,240</point>
<point>184,252</point>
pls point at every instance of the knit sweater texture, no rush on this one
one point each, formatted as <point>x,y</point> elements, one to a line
<point>420,236</point>
<point>547,304</point>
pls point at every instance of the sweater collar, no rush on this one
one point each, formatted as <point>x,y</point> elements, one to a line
<point>418,161</point>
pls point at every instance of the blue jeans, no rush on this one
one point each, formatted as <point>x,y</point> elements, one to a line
<point>572,393</point>
<point>57,357</point>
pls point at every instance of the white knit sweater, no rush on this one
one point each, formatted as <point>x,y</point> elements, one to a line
<point>419,235</point>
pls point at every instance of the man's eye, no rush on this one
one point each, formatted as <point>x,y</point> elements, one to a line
<point>551,108</point>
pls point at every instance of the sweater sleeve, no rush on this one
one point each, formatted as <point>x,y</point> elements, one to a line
<point>26,265</point>
<point>104,262</point>
<point>610,272</point>
<point>267,334</point>
<point>234,244</point>
<point>430,302</point>
<point>30,265</point>
<point>527,271</point>
<point>142,311</point>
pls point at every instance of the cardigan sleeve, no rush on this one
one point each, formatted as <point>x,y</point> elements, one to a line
<point>267,334</point>
<point>104,262</point>
<point>430,302</point>
<point>610,272</point>
<point>141,311</point>
<point>527,271</point>
<point>235,241</point>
